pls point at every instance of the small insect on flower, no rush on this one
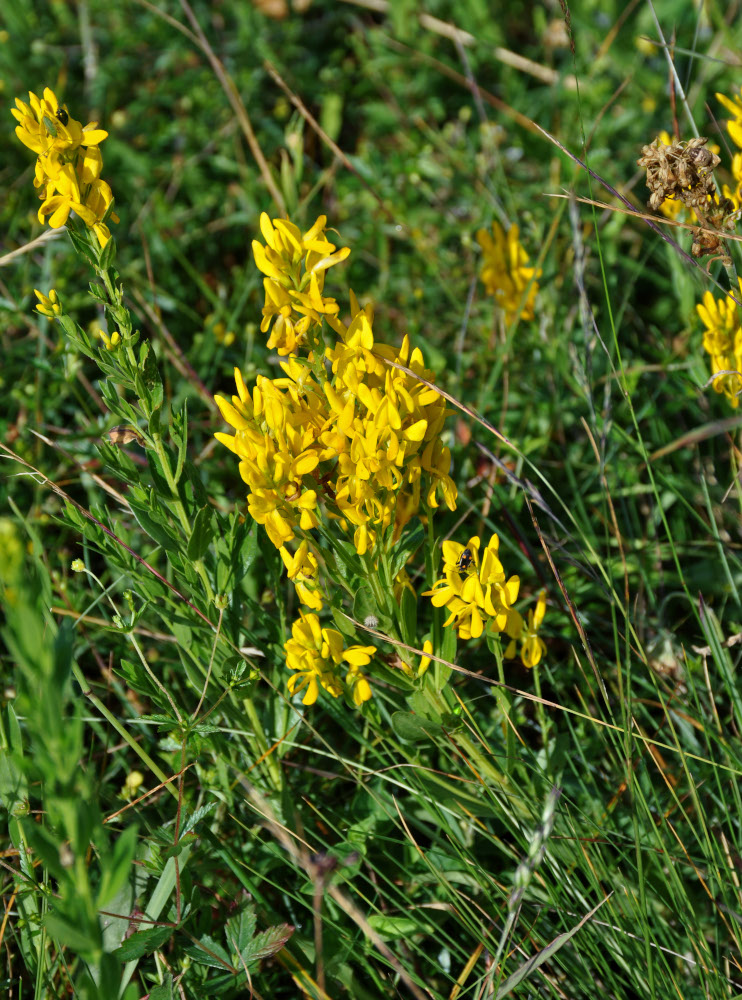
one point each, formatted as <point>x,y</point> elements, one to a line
<point>62,116</point>
<point>464,561</point>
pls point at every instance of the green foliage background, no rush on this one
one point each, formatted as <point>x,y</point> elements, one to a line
<point>377,849</point>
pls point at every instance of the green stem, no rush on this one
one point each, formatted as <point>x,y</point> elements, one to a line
<point>262,742</point>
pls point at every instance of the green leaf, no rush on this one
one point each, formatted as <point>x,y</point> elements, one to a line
<point>210,953</point>
<point>408,608</point>
<point>82,247</point>
<point>393,927</point>
<point>108,255</point>
<point>203,532</point>
<point>164,992</point>
<point>415,729</point>
<point>143,943</point>
<point>13,785</point>
<point>267,943</point>
<point>544,955</point>
<point>156,531</point>
<point>149,381</point>
<point>180,437</point>
<point>71,935</point>
<point>240,929</point>
<point>366,610</point>
<point>117,866</point>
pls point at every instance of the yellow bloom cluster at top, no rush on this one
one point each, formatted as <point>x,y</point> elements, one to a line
<point>479,595</point>
<point>68,165</point>
<point>505,272</point>
<point>348,434</point>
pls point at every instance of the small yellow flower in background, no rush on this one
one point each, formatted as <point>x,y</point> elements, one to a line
<point>133,783</point>
<point>77,566</point>
<point>722,339</point>
<point>49,305</point>
<point>532,647</point>
<point>315,654</point>
<point>222,335</point>
<point>505,272</point>
<point>69,163</point>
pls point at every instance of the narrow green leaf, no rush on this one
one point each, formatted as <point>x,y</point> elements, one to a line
<point>156,531</point>
<point>70,935</point>
<point>545,954</point>
<point>108,255</point>
<point>202,535</point>
<point>117,866</point>
<point>182,442</point>
<point>82,247</point>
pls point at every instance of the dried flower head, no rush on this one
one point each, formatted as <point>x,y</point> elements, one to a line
<point>683,170</point>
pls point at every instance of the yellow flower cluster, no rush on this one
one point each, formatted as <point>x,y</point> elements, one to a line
<point>479,595</point>
<point>734,131</point>
<point>68,165</point>
<point>316,655</point>
<point>505,272</point>
<point>722,339</point>
<point>343,436</point>
<point>349,435</point>
<point>295,266</point>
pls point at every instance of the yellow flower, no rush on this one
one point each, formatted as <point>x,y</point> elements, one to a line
<point>113,341</point>
<point>425,662</point>
<point>134,781</point>
<point>46,126</point>
<point>722,340</point>
<point>48,305</point>
<point>532,647</point>
<point>477,593</point>
<point>69,164</point>
<point>315,655</point>
<point>734,127</point>
<point>505,273</point>
<point>295,266</point>
<point>303,568</point>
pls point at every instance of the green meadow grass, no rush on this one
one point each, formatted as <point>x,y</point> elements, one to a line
<point>567,831</point>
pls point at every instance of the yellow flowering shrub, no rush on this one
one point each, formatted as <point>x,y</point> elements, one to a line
<point>68,165</point>
<point>345,448</point>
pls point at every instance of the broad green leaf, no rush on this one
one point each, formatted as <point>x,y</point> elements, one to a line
<point>415,729</point>
<point>144,943</point>
<point>267,943</point>
<point>208,952</point>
